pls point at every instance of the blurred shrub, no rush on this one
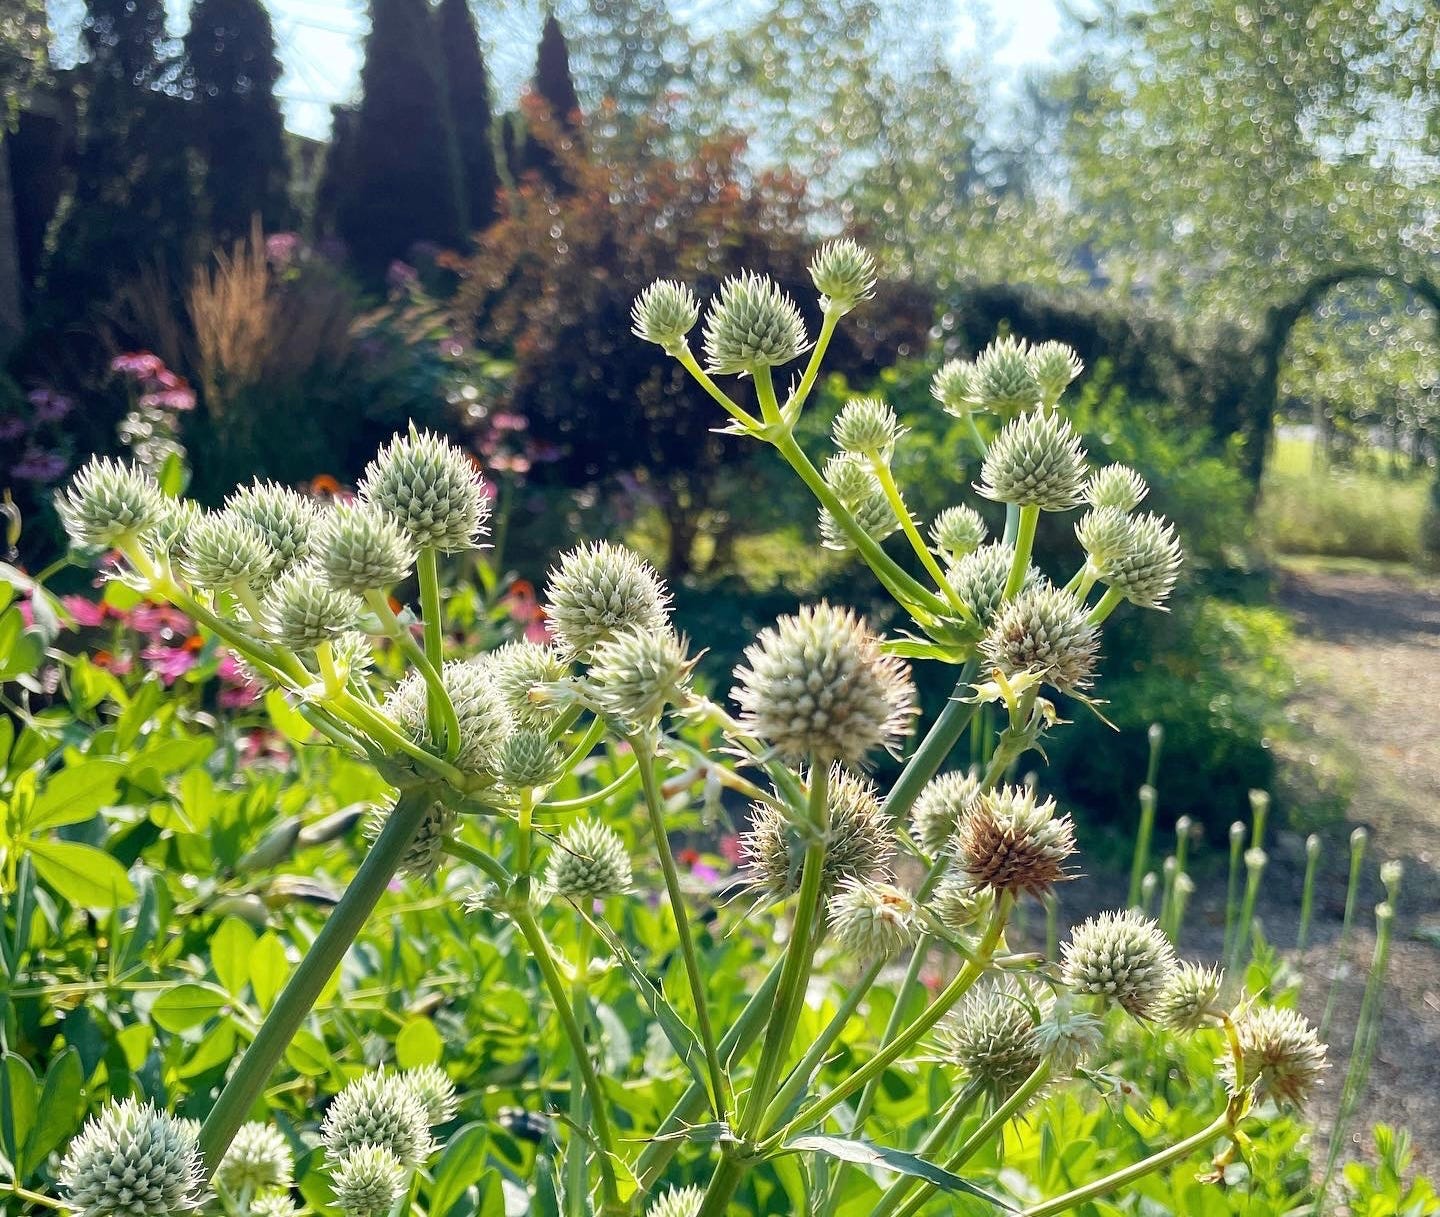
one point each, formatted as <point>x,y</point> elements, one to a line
<point>1430,525</point>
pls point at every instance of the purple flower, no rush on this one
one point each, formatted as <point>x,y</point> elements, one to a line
<point>38,466</point>
<point>85,611</point>
<point>50,406</point>
<point>401,276</point>
<point>178,399</point>
<point>11,429</point>
<point>282,247</point>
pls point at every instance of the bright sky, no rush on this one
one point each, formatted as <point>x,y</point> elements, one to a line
<point>320,46</point>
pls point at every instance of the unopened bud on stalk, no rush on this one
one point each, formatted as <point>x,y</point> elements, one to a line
<point>940,808</point>
<point>1054,365</point>
<point>1391,873</point>
<point>959,904</point>
<point>367,1181</point>
<point>678,1202</point>
<point>528,758</point>
<point>1148,884</point>
<point>1312,847</point>
<point>867,426</point>
<point>132,1160</point>
<point>302,610</point>
<point>1004,379</point>
<point>484,720</point>
<point>979,580</point>
<point>1145,571</point>
<point>1008,842</point>
<point>600,589</point>
<point>958,531</point>
<point>361,548</point>
<point>664,313</point>
<point>1116,486</point>
<point>1044,630</point>
<point>1282,1055</point>
<point>518,669</point>
<point>285,517</point>
<point>637,673</point>
<point>589,861</point>
<point>873,921</point>
<point>843,273</point>
<point>993,1038</point>
<point>221,550</point>
<point>1104,534</point>
<point>377,1109</point>
<point>1037,460</point>
<point>259,1157</point>
<point>431,489</point>
<point>752,325</point>
<point>110,502</point>
<point>1190,997</point>
<point>1122,957</point>
<point>953,387</point>
<point>434,1090</point>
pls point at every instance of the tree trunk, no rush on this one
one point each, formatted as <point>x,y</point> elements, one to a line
<point>12,320</point>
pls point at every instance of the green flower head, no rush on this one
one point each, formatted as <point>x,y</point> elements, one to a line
<point>664,313</point>
<point>843,273</point>
<point>431,489</point>
<point>132,1160</point>
<point>109,502</point>
<point>752,325</point>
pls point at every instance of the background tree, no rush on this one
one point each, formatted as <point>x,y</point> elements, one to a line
<point>230,71</point>
<point>24,48</point>
<point>553,109</point>
<point>471,117</point>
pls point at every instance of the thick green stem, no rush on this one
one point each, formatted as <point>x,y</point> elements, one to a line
<point>944,734</point>
<point>428,568</point>
<point>896,500</point>
<point>723,1184</point>
<point>797,399</point>
<point>436,692</point>
<point>1106,605</point>
<point>1024,544</point>
<point>303,989</point>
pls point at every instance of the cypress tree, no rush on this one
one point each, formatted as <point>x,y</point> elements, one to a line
<point>470,114</point>
<point>554,87</point>
<point>402,189</point>
<point>231,70</point>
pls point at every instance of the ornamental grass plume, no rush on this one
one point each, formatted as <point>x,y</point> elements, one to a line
<point>132,1160</point>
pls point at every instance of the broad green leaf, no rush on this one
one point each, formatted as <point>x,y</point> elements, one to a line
<point>7,739</point>
<point>135,1043</point>
<point>188,1005</point>
<point>307,1054</point>
<point>215,1048</point>
<point>460,1165</point>
<point>75,794</point>
<point>58,1114</point>
<point>865,1154</point>
<point>418,1044</point>
<point>83,875</point>
<point>173,476</point>
<point>286,719</point>
<point>268,969</point>
<point>230,954</point>
<point>19,1095</point>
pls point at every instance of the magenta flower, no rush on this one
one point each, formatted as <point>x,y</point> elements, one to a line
<point>282,248</point>
<point>179,398</point>
<point>238,697</point>
<point>168,663</point>
<point>160,621</point>
<point>139,364</point>
<point>85,612</point>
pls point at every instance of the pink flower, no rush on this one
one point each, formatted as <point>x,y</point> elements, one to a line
<point>178,399</point>
<point>282,247</point>
<point>168,663</point>
<point>238,697</point>
<point>510,422</point>
<point>730,848</point>
<point>139,364</point>
<point>160,621</point>
<point>86,612</point>
<point>537,633</point>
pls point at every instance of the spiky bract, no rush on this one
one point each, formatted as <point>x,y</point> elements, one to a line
<point>958,531</point>
<point>528,758</point>
<point>664,313</point>
<point>1068,1034</point>
<point>843,273</point>
<point>953,387</point>
<point>958,903</point>
<point>432,1086</point>
<point>992,1037</point>
<point>637,673</point>
<point>362,548</point>
<point>589,861</point>
<point>132,1160</point>
<point>518,669</point>
<point>484,719</point>
<point>222,549</point>
<point>1189,1000</point>
<point>752,324</point>
<point>1011,842</point>
<point>1104,534</point>
<point>1037,460</point>
<point>979,580</point>
<point>1116,486</point>
<point>1044,630</point>
<point>678,1202</point>
<point>856,486</point>
<point>873,921</point>
<point>940,807</point>
<point>367,1181</point>
<point>1054,365</point>
<point>1283,1056</point>
<point>377,1109</point>
<point>1123,957</point>
<point>1145,572</point>
<point>259,1157</point>
<point>866,426</point>
<point>600,589</point>
<point>1003,379</point>
<point>109,502</point>
<point>302,610</point>
<point>431,489</point>
<point>286,517</point>
<point>427,847</point>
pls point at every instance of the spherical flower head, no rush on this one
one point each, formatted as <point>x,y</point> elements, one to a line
<point>423,855</point>
<point>132,1160</point>
<point>285,517</point>
<point>259,1157</point>
<point>1104,534</point>
<point>664,313</point>
<point>1282,1055</point>
<point>431,489</point>
<point>361,548</point>
<point>873,921</point>
<point>434,1090</point>
<point>992,1037</point>
<point>818,686</point>
<point>867,427</point>
<point>752,325</point>
<point>843,273</point>
<point>1116,486</point>
<point>941,806</point>
<point>958,531</point>
<point>953,387</point>
<point>485,721</point>
<point>274,1204</point>
<point>1189,1000</point>
<point>1036,461</point>
<point>958,904</point>
<point>1011,842</point>
<point>168,535</point>
<point>110,502</point>
<point>1054,365</point>
<point>377,1109</point>
<point>637,673</point>
<point>597,591</point>
<point>367,1181</point>
<point>1146,571</point>
<point>678,1202</point>
<point>858,840</point>
<point>979,580</point>
<point>588,862</point>
<point>518,670</point>
<point>1004,379</point>
<point>221,550</point>
<point>528,758</point>
<point>1044,630</point>
<point>302,610</point>
<point>1122,957</point>
<point>856,486</point>
<point>1069,1035</point>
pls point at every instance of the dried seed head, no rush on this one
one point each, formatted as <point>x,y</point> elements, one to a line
<point>132,1160</point>
<point>939,809</point>
<point>588,861</point>
<point>953,387</point>
<point>528,758</point>
<point>1145,572</point>
<point>422,856</point>
<point>285,517</point>
<point>1122,957</point>
<point>431,489</point>
<point>843,273</point>
<point>873,921</point>
<point>361,548</point>
<point>1004,379</point>
<point>367,1181</point>
<point>678,1202</point>
<point>518,668</point>
<point>959,904</point>
<point>979,580</point>
<point>958,531</point>
<point>753,324</point>
<point>599,590</point>
<point>1116,486</point>
<point>819,687</point>
<point>1054,365</point>
<point>221,550</point>
<point>484,720</point>
<point>856,486</point>
<point>1037,460</point>
<point>108,502</point>
<point>1045,631</point>
<point>664,313</point>
<point>1282,1055</point>
<point>992,1037</point>
<point>637,673</point>
<point>1104,534</point>
<point>1008,842</point>
<point>434,1090</point>
<point>377,1109</point>
<point>259,1157</point>
<point>867,427</point>
<point>858,840</point>
<point>302,610</point>
<point>1189,999</point>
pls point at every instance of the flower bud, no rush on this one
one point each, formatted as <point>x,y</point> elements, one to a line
<point>1054,365</point>
<point>664,313</point>
<point>1044,630</point>
<point>939,809</point>
<point>1036,461</point>
<point>637,673</point>
<point>222,550</point>
<point>856,486</point>
<point>434,1091</point>
<point>1116,486</point>
<point>867,426</point>
<point>958,531</point>
<point>979,580</point>
<point>259,1157</point>
<point>678,1202</point>
<point>1104,534</point>
<point>367,1181</point>
<point>361,548</point>
<point>273,1204</point>
<point>431,489</point>
<point>518,668</point>
<point>484,720</point>
<point>1068,1035</point>
<point>377,1109</point>
<point>1004,380</point>
<point>528,758</point>
<point>953,387</point>
<point>1122,957</point>
<point>1189,998</point>
<point>752,325</point>
<point>1282,1055</point>
<point>588,861</point>
<point>1008,842</point>
<point>422,856</point>
<point>1145,572</point>
<point>302,610</point>
<point>843,274</point>
<point>286,518</point>
<point>873,921</point>
<point>600,589</point>
<point>109,502</point>
<point>992,1037</point>
<point>132,1160</point>
<point>818,686</point>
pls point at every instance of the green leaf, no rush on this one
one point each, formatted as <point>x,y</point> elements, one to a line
<point>19,1100</point>
<point>173,476</point>
<point>418,1044</point>
<point>865,1154</point>
<point>230,954</point>
<point>75,794</point>
<point>189,1005</point>
<point>85,876</point>
<point>59,1111</point>
<point>286,719</point>
<point>7,739</point>
<point>268,969</point>
<point>460,1166</point>
<point>215,1048</point>
<point>307,1054</point>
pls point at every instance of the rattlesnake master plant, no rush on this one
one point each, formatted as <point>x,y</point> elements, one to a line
<point>843,876</point>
